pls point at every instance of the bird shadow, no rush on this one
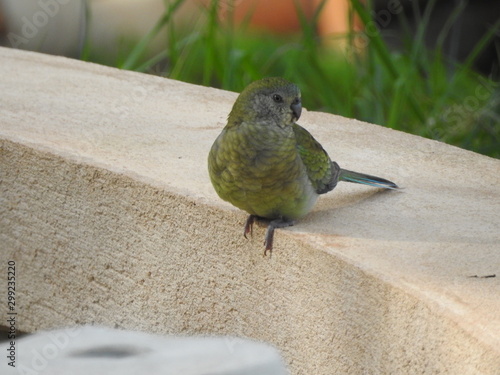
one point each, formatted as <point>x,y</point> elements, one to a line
<point>388,215</point>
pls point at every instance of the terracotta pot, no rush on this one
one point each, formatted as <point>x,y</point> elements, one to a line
<point>280,16</point>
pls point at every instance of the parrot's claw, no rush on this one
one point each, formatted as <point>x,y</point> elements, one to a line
<point>278,223</point>
<point>249,225</point>
<point>272,225</point>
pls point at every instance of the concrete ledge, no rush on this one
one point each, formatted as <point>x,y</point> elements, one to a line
<point>108,212</point>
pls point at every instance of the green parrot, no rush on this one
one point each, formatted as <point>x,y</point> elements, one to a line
<point>263,162</point>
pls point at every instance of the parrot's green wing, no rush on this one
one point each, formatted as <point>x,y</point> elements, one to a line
<point>322,172</point>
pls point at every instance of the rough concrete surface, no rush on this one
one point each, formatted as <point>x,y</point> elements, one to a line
<point>107,209</point>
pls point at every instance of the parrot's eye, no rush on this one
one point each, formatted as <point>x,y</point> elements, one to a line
<point>277,98</point>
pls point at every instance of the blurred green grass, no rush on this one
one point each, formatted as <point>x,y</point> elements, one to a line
<point>414,90</point>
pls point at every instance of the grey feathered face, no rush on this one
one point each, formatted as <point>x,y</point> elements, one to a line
<point>268,101</point>
<point>280,105</point>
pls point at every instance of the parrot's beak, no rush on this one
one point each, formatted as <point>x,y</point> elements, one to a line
<point>296,108</point>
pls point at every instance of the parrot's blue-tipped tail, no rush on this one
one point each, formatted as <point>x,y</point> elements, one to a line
<point>366,179</point>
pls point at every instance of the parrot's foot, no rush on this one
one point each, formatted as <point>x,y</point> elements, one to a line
<point>278,223</point>
<point>249,225</point>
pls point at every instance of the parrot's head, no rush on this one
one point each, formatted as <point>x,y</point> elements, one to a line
<point>273,101</point>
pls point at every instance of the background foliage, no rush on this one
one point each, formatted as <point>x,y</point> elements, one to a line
<point>415,90</point>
